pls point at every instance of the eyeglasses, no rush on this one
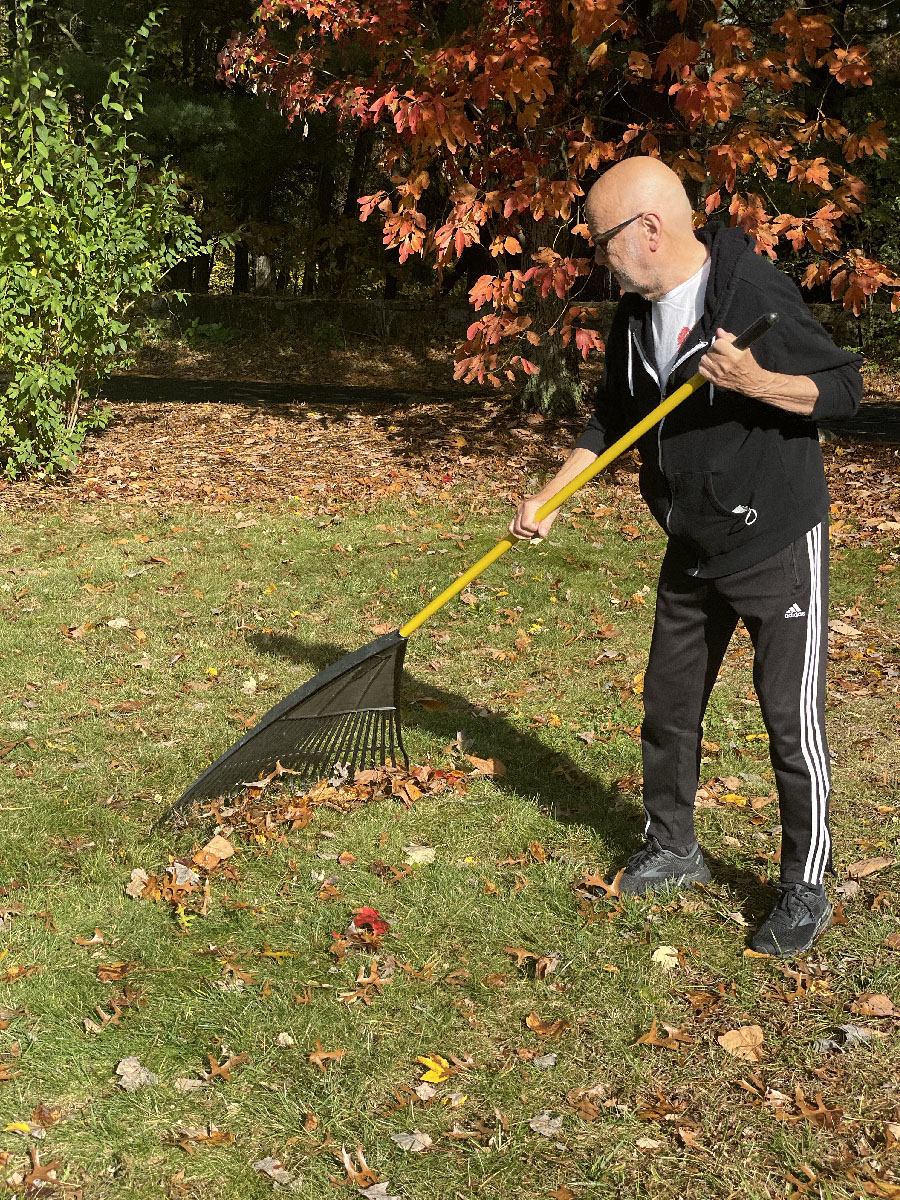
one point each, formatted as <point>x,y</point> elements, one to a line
<point>603,239</point>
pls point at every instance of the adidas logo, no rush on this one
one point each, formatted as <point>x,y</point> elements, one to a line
<point>795,611</point>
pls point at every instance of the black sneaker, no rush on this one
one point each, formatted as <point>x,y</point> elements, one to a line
<point>801,915</point>
<point>652,868</point>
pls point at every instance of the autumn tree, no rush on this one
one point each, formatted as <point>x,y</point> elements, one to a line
<point>493,117</point>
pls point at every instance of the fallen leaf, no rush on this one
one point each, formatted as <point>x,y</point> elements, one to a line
<point>646,1143</point>
<point>674,1037</point>
<point>418,855</point>
<point>135,887</point>
<point>744,1043</point>
<point>873,1004</point>
<point>414,1142</point>
<point>377,1191</point>
<point>868,866</point>
<point>438,1068</point>
<point>133,1075</point>
<point>849,889</point>
<point>544,1062</point>
<point>285,1040</point>
<point>96,940</point>
<point>274,1169</point>
<point>216,850</point>
<point>546,1124</point>
<point>851,1035</point>
<point>113,972</point>
<point>666,957</point>
<point>549,1029</point>
<point>492,767</point>
<point>321,1058</point>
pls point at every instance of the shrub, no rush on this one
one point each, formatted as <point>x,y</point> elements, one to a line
<point>87,227</point>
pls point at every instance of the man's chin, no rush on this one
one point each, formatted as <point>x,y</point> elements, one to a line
<point>630,285</point>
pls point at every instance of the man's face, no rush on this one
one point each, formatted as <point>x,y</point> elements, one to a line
<point>619,244</point>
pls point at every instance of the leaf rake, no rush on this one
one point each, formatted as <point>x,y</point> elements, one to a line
<point>346,716</point>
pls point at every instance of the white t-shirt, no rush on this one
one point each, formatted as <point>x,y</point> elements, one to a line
<point>674,316</point>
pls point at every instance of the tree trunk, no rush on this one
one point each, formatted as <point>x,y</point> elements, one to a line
<point>241,284</point>
<point>557,387</point>
<point>362,149</point>
<point>262,273</point>
<point>179,278</point>
<point>202,265</point>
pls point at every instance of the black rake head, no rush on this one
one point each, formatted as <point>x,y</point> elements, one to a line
<point>346,717</point>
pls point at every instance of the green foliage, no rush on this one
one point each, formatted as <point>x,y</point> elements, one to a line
<point>213,334</point>
<point>87,227</point>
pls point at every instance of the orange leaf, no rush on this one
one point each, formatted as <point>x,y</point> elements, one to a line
<point>322,1057</point>
<point>548,1029</point>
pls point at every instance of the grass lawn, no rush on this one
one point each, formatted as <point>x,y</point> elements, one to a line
<point>136,642</point>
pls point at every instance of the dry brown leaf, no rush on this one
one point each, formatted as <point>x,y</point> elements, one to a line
<point>548,1029</point>
<point>674,1037</point>
<point>744,1043</point>
<point>873,1004</point>
<point>113,972</point>
<point>96,940</point>
<point>321,1058</point>
<point>868,866</point>
<point>216,850</point>
<point>492,767</point>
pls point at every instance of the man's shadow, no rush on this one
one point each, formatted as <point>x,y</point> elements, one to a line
<point>532,768</point>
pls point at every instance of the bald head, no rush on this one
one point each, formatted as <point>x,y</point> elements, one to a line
<point>657,250</point>
<point>638,184</point>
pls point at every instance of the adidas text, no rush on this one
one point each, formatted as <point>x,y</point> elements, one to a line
<point>795,611</point>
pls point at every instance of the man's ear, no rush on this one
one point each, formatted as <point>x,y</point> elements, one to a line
<point>653,228</point>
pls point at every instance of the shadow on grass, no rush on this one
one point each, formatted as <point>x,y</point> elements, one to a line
<point>532,768</point>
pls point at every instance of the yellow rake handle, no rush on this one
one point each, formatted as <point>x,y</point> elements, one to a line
<point>612,452</point>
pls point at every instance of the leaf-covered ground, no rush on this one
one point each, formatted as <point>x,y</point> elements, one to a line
<point>221,1024</point>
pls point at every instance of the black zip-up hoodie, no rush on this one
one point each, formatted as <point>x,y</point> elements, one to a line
<point>732,480</point>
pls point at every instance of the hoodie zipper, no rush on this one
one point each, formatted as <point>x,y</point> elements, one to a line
<point>650,371</point>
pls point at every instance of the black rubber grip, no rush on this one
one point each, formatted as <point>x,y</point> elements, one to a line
<point>752,332</point>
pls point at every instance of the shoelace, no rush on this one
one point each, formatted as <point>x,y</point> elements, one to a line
<point>796,904</point>
<point>644,856</point>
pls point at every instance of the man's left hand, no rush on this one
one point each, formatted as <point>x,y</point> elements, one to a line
<point>736,370</point>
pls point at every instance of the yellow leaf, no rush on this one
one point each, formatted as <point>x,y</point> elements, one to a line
<point>734,798</point>
<point>438,1068</point>
<point>17,1127</point>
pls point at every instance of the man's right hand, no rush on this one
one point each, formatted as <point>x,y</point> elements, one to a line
<point>524,525</point>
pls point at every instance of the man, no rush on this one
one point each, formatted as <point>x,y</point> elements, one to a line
<point>735,477</point>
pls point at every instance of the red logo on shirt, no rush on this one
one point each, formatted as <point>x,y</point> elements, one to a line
<point>683,336</point>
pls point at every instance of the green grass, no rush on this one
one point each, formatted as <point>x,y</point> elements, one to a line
<point>230,611</point>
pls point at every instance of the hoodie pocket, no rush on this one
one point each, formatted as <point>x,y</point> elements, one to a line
<point>703,513</point>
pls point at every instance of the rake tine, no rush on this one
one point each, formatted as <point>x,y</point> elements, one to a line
<point>320,740</point>
<point>357,743</point>
<point>328,751</point>
<point>365,741</point>
<point>382,740</point>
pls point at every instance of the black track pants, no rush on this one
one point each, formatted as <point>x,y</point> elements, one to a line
<point>783,602</point>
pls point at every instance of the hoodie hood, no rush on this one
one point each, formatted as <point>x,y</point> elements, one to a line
<point>726,246</point>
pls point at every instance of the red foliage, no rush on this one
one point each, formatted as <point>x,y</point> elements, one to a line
<point>500,122</point>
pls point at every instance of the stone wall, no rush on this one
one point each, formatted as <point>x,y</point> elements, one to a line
<point>404,322</point>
